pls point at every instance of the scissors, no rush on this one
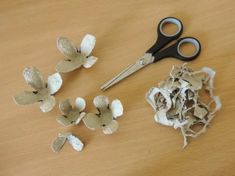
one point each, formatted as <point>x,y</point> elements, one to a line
<point>157,52</point>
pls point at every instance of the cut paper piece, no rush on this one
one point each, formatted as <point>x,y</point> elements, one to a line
<point>105,119</point>
<point>71,115</point>
<point>43,91</point>
<point>178,101</point>
<point>58,143</point>
<point>76,57</point>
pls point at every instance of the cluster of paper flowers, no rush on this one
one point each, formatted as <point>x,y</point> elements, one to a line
<point>43,93</point>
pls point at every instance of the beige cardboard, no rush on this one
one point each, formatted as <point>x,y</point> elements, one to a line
<point>105,119</point>
<point>76,57</point>
<point>43,91</point>
<point>177,102</point>
<point>71,115</point>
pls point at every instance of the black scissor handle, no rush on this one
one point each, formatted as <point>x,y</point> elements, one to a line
<point>174,50</point>
<point>163,38</point>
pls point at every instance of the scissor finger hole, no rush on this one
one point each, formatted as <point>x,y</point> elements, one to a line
<point>170,27</point>
<point>188,47</point>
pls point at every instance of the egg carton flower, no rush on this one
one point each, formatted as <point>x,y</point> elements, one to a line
<point>106,118</point>
<point>59,142</point>
<point>75,57</point>
<point>71,115</point>
<point>43,91</point>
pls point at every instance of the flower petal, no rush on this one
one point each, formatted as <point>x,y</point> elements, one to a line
<point>116,108</point>
<point>58,143</point>
<point>75,142</point>
<point>80,103</point>
<point>90,61</point>
<point>81,116</point>
<point>111,128</point>
<point>65,106</point>
<point>92,121</point>
<point>54,83</point>
<point>34,78</point>
<point>26,98</point>
<point>67,47</point>
<point>48,104</point>
<point>87,44</point>
<point>101,102</point>
<point>65,66</point>
<point>63,120</point>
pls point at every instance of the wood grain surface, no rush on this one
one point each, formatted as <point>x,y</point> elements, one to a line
<point>124,29</point>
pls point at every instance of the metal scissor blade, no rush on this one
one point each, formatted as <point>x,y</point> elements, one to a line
<point>142,62</point>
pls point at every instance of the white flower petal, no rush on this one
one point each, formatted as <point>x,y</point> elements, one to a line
<point>48,104</point>
<point>87,44</point>
<point>54,83</point>
<point>116,108</point>
<point>111,128</point>
<point>67,47</point>
<point>90,61</point>
<point>81,116</point>
<point>26,98</point>
<point>101,102</point>
<point>80,103</point>
<point>75,142</point>
<point>34,78</point>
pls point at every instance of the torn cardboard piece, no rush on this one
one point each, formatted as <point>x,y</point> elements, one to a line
<point>59,142</point>
<point>75,57</point>
<point>106,118</point>
<point>178,102</point>
<point>71,115</point>
<point>43,91</point>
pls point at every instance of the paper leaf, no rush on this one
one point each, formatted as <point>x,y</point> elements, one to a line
<point>54,83</point>
<point>34,78</point>
<point>87,44</point>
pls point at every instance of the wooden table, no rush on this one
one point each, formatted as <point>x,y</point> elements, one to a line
<point>124,30</point>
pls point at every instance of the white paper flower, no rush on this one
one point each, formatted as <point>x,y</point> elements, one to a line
<point>74,141</point>
<point>76,57</point>
<point>43,90</point>
<point>106,118</point>
<point>71,115</point>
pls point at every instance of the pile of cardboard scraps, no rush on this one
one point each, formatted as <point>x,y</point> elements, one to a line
<point>185,100</point>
